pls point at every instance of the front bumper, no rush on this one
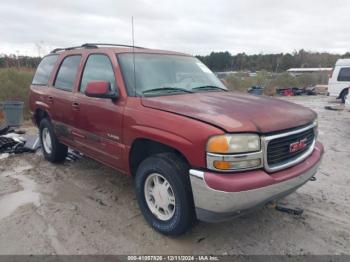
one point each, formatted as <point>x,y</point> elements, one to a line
<point>219,197</point>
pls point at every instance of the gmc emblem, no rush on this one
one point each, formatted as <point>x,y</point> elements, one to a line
<point>296,146</point>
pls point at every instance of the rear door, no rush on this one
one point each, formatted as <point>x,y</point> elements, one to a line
<point>98,121</point>
<point>61,96</point>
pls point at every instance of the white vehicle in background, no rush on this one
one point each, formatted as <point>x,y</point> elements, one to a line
<point>339,82</point>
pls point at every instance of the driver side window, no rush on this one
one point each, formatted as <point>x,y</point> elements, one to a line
<point>98,67</point>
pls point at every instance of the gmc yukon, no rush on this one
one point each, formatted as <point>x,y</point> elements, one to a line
<point>194,149</point>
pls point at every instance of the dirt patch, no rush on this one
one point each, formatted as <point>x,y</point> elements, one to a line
<point>83,207</point>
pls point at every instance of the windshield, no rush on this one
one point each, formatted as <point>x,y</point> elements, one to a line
<point>159,74</point>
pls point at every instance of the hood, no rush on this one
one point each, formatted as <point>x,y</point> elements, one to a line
<point>234,111</point>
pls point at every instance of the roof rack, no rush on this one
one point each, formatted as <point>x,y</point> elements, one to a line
<point>91,45</point>
<point>103,44</point>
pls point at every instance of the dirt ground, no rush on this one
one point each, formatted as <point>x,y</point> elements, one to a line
<point>82,207</point>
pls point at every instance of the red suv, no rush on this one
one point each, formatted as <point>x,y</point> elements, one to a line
<point>194,149</point>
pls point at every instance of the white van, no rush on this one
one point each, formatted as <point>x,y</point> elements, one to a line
<point>339,82</point>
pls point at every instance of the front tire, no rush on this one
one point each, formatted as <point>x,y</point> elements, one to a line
<point>53,150</point>
<point>344,95</point>
<point>164,194</point>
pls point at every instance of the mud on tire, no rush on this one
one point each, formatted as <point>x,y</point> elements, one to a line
<point>52,149</point>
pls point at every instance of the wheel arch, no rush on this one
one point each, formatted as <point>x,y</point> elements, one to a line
<point>346,89</point>
<point>142,148</point>
<point>40,114</point>
<point>343,94</point>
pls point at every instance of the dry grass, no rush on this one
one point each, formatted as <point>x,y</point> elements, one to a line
<point>14,85</point>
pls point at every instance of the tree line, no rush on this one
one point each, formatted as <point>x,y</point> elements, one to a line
<point>225,61</point>
<point>10,61</point>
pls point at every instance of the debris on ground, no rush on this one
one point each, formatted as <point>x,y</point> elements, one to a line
<point>74,155</point>
<point>17,141</point>
<point>334,108</point>
<point>288,209</point>
<point>6,143</point>
<point>200,239</point>
<point>4,129</point>
<point>12,139</point>
<point>32,143</point>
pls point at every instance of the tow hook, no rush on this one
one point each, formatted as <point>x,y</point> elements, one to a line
<point>313,178</point>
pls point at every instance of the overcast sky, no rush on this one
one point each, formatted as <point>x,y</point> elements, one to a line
<point>192,26</point>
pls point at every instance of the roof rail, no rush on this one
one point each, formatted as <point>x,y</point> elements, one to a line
<point>91,45</point>
<point>104,44</point>
<point>65,49</point>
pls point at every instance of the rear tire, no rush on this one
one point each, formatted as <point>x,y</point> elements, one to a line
<point>173,217</point>
<point>53,150</point>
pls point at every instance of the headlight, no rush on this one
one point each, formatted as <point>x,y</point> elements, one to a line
<point>233,143</point>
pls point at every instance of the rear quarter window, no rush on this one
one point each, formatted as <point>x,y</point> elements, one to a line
<point>44,70</point>
<point>344,74</point>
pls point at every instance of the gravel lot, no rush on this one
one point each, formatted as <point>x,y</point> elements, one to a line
<point>83,207</point>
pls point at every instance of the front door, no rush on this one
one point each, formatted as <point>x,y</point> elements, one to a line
<point>98,121</point>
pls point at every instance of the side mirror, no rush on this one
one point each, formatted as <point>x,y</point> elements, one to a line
<point>100,89</point>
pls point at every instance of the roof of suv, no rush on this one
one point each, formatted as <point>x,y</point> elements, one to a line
<point>115,48</point>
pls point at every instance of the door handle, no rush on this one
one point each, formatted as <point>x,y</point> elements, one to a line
<point>50,99</point>
<point>75,105</point>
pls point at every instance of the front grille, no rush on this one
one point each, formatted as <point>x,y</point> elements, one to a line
<point>278,149</point>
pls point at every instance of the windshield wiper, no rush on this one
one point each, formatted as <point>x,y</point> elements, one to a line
<point>208,87</point>
<point>167,89</point>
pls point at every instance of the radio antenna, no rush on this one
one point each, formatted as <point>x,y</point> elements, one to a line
<point>133,52</point>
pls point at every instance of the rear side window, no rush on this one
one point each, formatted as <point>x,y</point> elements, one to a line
<point>42,74</point>
<point>68,70</point>
<point>98,68</point>
<point>344,74</point>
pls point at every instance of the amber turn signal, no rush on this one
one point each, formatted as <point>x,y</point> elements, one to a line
<point>218,144</point>
<point>222,165</point>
